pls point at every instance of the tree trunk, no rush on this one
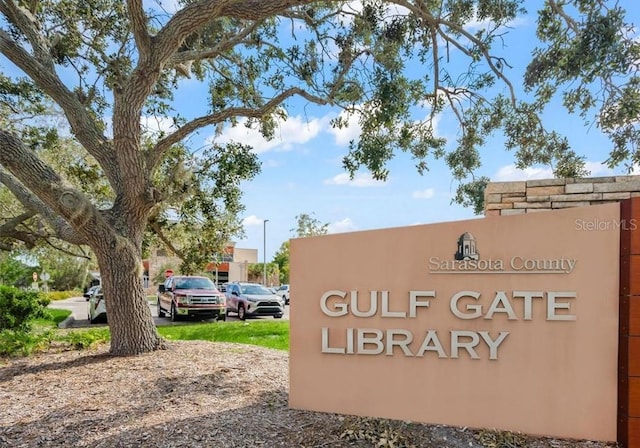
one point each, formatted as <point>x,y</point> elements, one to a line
<point>133,330</point>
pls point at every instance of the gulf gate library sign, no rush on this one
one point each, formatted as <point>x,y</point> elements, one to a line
<point>508,323</point>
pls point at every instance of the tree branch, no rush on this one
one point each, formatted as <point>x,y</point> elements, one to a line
<point>27,23</point>
<point>139,27</point>
<point>155,155</point>
<point>82,125</point>
<point>157,229</point>
<point>571,24</point>
<point>68,252</point>
<point>34,205</point>
<point>184,23</point>
<point>435,22</point>
<point>487,57</point>
<point>186,56</point>
<point>57,196</point>
<point>9,230</point>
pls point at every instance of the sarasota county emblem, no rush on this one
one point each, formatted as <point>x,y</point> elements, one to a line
<point>467,248</point>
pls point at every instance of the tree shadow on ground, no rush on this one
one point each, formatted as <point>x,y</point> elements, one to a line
<point>19,368</point>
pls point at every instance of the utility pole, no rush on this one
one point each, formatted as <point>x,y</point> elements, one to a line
<point>264,252</point>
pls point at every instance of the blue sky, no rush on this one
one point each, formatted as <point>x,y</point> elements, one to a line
<point>302,170</point>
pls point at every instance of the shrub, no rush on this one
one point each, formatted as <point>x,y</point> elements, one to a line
<point>61,295</point>
<point>14,343</point>
<point>86,339</point>
<point>19,308</point>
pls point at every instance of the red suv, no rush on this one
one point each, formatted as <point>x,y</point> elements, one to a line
<point>187,295</point>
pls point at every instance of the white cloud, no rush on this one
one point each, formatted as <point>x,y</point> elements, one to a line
<point>252,220</point>
<point>290,132</point>
<point>356,7</point>
<point>345,225</point>
<point>351,132</point>
<point>360,180</point>
<point>427,193</point>
<point>154,125</point>
<point>350,8</point>
<point>510,173</point>
<point>476,25</point>
<point>435,122</point>
<point>271,163</point>
<point>598,169</point>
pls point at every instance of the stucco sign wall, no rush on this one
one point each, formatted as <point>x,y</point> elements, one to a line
<point>507,323</point>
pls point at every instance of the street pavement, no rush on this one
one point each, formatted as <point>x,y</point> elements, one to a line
<point>79,307</point>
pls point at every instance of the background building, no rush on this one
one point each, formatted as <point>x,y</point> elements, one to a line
<point>232,264</point>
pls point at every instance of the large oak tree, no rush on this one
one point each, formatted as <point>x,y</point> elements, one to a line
<point>108,67</point>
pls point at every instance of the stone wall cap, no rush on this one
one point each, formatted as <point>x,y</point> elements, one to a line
<point>506,187</point>
<point>545,182</point>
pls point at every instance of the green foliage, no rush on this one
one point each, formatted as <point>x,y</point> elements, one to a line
<point>160,278</point>
<point>53,296</point>
<point>84,339</point>
<point>281,259</point>
<point>307,225</point>
<point>66,272</point>
<point>19,308</point>
<point>471,194</point>
<point>14,272</point>
<point>23,343</point>
<point>256,272</point>
<point>204,190</point>
<point>588,56</point>
<point>271,334</point>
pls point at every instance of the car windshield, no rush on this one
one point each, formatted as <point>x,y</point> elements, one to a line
<point>255,290</point>
<point>194,283</point>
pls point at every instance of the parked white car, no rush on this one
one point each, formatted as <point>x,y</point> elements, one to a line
<point>97,307</point>
<point>283,291</point>
<point>87,295</point>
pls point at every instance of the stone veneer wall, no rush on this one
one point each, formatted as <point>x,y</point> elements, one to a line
<point>512,198</point>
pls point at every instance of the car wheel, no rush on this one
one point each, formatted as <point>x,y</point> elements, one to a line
<point>174,313</point>
<point>160,310</point>
<point>222,317</point>
<point>278,316</point>
<point>241,314</point>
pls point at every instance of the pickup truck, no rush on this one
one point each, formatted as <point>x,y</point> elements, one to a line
<point>188,295</point>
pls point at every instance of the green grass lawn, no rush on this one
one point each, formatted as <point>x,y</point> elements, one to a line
<point>263,333</point>
<point>53,317</point>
